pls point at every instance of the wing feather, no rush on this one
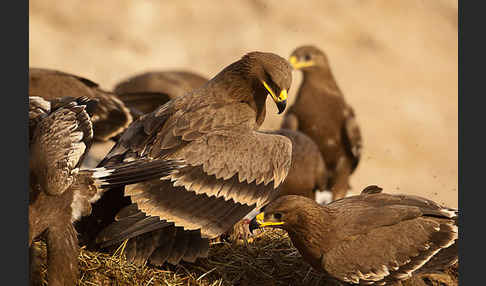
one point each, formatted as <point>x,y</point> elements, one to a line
<point>110,116</point>
<point>352,136</point>
<point>248,156</point>
<point>375,257</point>
<point>186,208</point>
<point>224,158</point>
<point>69,129</point>
<point>386,237</point>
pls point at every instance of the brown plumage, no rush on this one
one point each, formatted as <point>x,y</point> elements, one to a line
<point>321,112</point>
<point>306,175</point>
<point>308,171</point>
<point>60,193</point>
<point>143,93</point>
<point>109,118</point>
<point>230,167</point>
<point>369,239</point>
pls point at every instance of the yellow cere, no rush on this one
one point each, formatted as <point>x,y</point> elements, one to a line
<point>298,65</point>
<point>283,95</point>
<point>262,223</point>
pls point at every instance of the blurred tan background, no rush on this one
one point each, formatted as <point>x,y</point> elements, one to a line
<point>395,61</point>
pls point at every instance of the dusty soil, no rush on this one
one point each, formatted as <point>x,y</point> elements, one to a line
<point>396,62</point>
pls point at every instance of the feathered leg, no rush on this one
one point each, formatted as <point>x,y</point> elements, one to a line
<point>62,255</point>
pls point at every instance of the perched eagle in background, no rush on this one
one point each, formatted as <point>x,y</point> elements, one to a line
<point>321,112</point>
<point>145,92</point>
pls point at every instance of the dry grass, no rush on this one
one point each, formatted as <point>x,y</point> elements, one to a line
<point>269,260</point>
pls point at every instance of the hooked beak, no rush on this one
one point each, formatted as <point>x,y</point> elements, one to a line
<point>280,100</point>
<point>259,222</point>
<point>281,106</point>
<point>299,65</point>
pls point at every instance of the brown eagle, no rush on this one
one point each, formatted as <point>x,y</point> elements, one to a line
<point>143,93</point>
<point>321,112</point>
<point>370,239</point>
<point>60,135</point>
<point>228,166</point>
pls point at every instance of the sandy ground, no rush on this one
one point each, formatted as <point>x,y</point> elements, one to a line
<point>396,62</point>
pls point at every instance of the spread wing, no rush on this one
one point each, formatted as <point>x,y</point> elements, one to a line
<point>250,156</point>
<point>215,141</point>
<point>226,176</point>
<point>388,237</point>
<point>353,139</point>
<point>229,168</point>
<point>58,145</point>
<point>110,116</point>
<point>235,165</point>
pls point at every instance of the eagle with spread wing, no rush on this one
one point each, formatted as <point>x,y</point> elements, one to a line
<point>227,167</point>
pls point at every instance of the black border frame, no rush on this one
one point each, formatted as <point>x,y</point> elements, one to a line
<point>15,26</point>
